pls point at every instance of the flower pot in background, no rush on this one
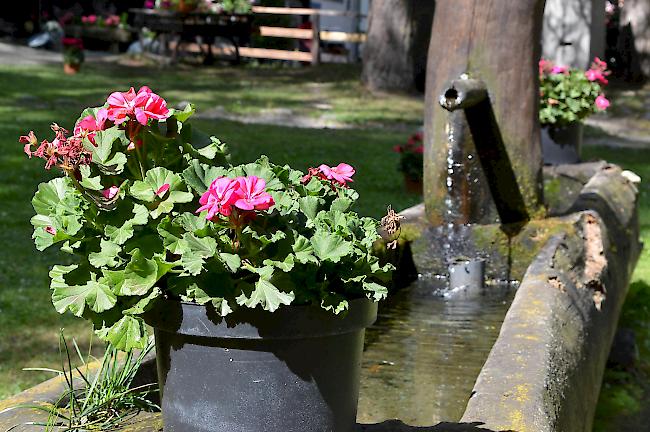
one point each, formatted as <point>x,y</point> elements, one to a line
<point>562,144</point>
<point>186,6</point>
<point>413,186</point>
<point>293,370</point>
<point>71,68</point>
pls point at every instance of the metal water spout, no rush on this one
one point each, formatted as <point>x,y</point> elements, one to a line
<point>479,162</point>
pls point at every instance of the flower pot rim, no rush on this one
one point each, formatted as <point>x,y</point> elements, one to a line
<point>287,322</point>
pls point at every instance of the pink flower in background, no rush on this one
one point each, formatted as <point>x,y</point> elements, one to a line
<point>110,192</point>
<point>602,103</point>
<point>219,197</point>
<point>162,190</point>
<point>398,149</point>
<point>112,21</point>
<point>251,194</point>
<point>342,173</point>
<point>559,70</point>
<point>596,75</point>
<point>142,106</point>
<point>544,66</point>
<point>419,149</point>
<point>149,4</point>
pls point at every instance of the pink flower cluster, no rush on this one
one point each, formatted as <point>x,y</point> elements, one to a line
<point>340,174</point>
<point>63,151</point>
<point>112,21</point>
<point>598,72</point>
<point>243,193</point>
<point>142,106</point>
<point>413,145</point>
<point>89,19</point>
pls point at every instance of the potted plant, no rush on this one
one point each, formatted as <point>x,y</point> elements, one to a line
<point>73,55</point>
<point>568,96</point>
<point>411,162</point>
<point>258,279</point>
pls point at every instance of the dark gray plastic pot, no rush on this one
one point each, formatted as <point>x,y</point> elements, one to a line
<point>294,370</point>
<point>562,144</point>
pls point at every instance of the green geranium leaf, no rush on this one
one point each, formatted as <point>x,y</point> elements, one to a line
<point>139,276</point>
<point>304,251</point>
<point>199,176</point>
<point>127,334</point>
<point>341,205</point>
<point>231,261</point>
<point>266,294</point>
<point>162,186</point>
<point>195,251</point>
<point>285,265</point>
<point>144,304</point>
<point>92,183</point>
<point>378,292</point>
<point>107,256</point>
<point>119,235</point>
<point>103,154</point>
<point>98,296</point>
<point>185,114</point>
<point>310,206</point>
<point>330,247</point>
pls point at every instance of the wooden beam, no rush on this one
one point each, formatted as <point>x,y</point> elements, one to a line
<point>336,36</point>
<point>275,54</point>
<point>284,32</point>
<point>301,11</point>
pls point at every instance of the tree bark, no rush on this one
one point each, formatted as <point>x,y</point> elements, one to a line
<point>395,54</point>
<point>635,23</point>
<point>497,42</point>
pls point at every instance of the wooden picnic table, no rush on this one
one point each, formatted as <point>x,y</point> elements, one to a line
<point>187,27</point>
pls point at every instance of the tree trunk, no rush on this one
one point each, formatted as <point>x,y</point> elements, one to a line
<point>635,23</point>
<point>395,54</point>
<point>497,42</point>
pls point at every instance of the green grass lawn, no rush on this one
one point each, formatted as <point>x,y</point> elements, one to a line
<point>32,98</point>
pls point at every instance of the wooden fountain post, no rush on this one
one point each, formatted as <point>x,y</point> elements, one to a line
<point>495,43</point>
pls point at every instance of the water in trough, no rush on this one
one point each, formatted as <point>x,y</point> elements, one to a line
<point>426,350</point>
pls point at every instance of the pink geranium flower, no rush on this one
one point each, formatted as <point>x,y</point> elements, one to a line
<point>559,70</point>
<point>219,197</point>
<point>110,192</point>
<point>89,125</point>
<point>251,194</point>
<point>602,103</point>
<point>342,173</point>
<point>596,75</point>
<point>142,106</point>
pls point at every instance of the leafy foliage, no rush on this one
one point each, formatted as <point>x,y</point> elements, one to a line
<point>567,95</point>
<point>130,216</point>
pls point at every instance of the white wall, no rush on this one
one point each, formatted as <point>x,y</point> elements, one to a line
<point>574,31</point>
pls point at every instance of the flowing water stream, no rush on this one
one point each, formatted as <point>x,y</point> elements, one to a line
<point>425,351</point>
